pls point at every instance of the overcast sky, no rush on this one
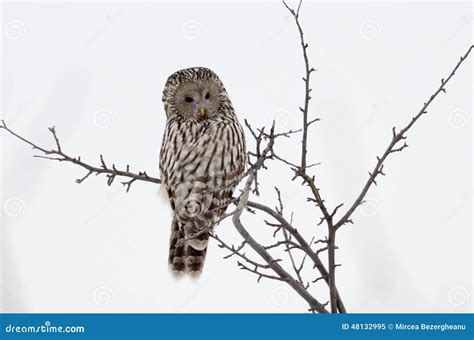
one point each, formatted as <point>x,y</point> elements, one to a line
<point>96,71</point>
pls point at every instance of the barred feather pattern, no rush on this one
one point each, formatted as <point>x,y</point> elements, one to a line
<point>197,160</point>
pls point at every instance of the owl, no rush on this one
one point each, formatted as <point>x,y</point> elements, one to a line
<point>202,157</point>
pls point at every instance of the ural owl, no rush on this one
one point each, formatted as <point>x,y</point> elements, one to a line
<point>203,151</point>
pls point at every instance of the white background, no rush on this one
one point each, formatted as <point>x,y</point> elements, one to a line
<point>96,71</point>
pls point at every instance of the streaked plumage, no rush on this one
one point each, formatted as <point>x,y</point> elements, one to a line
<point>203,149</point>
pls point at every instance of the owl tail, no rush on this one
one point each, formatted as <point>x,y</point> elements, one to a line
<point>186,256</point>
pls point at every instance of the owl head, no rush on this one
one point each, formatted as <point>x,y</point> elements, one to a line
<point>194,93</point>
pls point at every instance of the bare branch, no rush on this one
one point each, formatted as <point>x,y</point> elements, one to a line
<point>301,240</point>
<point>332,268</point>
<point>237,251</point>
<point>293,263</point>
<point>61,156</point>
<point>396,138</point>
<point>259,249</point>
<point>259,273</point>
<point>306,79</point>
<point>317,196</point>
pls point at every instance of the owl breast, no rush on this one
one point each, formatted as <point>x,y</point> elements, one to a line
<point>211,152</point>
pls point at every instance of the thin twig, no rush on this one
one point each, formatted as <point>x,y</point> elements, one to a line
<point>301,240</point>
<point>237,251</point>
<point>306,79</point>
<point>61,156</point>
<point>259,249</point>
<point>396,138</point>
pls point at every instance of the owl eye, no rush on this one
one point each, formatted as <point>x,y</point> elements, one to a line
<point>207,96</point>
<point>188,99</point>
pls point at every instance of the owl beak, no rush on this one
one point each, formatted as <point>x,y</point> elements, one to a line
<point>202,113</point>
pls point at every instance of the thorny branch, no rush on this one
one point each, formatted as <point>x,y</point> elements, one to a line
<point>301,170</point>
<point>396,138</point>
<point>58,155</point>
<point>304,245</point>
<point>293,242</point>
<point>306,79</point>
<point>314,304</point>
